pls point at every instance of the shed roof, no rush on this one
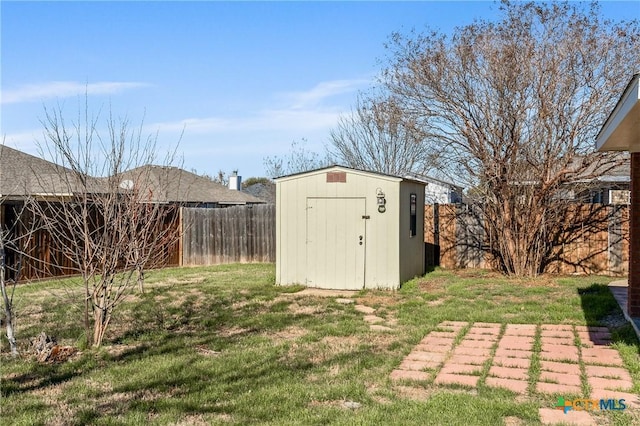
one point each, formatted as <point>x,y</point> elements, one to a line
<point>353,170</point>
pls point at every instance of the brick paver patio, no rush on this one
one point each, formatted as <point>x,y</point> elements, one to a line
<point>573,361</point>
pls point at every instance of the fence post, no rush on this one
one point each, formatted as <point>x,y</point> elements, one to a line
<point>615,240</point>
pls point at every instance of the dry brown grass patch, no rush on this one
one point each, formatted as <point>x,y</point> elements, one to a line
<point>191,279</point>
<point>332,346</point>
<point>378,300</point>
<point>321,292</point>
<point>234,331</point>
<point>381,341</point>
<point>323,350</point>
<point>200,420</point>
<point>306,309</point>
<point>413,392</point>
<point>513,421</point>
<point>180,297</point>
<point>432,284</point>
<point>333,403</point>
<point>203,350</point>
<point>477,273</point>
<point>289,333</point>
<point>236,306</point>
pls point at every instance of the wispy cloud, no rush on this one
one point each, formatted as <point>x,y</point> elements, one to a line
<point>312,109</point>
<point>193,125</point>
<point>266,120</point>
<point>324,90</point>
<point>24,141</point>
<point>64,89</point>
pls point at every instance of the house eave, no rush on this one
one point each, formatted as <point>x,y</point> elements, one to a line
<point>621,130</point>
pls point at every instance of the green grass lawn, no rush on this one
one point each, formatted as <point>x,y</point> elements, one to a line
<point>224,345</point>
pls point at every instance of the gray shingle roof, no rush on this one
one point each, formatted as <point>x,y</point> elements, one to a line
<point>172,184</point>
<point>22,174</point>
<point>263,191</point>
<point>617,168</point>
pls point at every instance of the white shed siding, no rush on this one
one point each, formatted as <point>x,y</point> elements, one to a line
<point>411,247</point>
<point>381,244</point>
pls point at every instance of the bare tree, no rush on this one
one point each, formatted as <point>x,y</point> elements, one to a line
<point>378,136</point>
<point>18,233</point>
<point>108,225</point>
<point>151,228</point>
<point>512,107</point>
<point>299,159</point>
<point>14,237</point>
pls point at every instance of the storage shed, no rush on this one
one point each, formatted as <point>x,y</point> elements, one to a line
<point>342,228</point>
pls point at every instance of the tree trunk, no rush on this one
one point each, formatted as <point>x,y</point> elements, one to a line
<point>8,306</point>
<point>101,319</point>
<point>140,277</point>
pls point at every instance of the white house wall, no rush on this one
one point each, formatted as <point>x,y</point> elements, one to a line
<point>439,194</point>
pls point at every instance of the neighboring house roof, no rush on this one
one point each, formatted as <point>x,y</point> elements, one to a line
<point>429,179</point>
<point>167,184</point>
<point>616,169</point>
<point>23,174</point>
<point>263,191</point>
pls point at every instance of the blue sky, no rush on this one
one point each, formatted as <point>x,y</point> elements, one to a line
<point>243,79</point>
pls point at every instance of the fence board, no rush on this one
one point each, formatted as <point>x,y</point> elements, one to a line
<point>593,239</point>
<point>233,234</point>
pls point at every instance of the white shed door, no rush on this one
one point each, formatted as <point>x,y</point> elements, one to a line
<point>336,242</point>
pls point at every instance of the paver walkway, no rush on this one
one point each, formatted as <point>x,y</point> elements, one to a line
<point>572,361</point>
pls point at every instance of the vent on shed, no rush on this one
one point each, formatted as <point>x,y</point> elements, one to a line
<point>340,177</point>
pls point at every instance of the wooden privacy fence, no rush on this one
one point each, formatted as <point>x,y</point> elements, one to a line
<point>598,240</point>
<point>36,254</point>
<point>227,235</point>
<point>594,239</point>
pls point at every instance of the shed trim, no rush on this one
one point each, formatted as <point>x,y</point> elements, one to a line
<point>392,178</point>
